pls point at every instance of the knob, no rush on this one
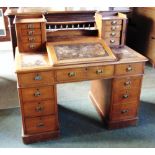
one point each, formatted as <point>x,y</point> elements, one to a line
<point>71,74</point>
<point>30,26</point>
<point>125,96</point>
<point>112,40</point>
<point>129,68</point>
<point>113,34</point>
<point>37,93</point>
<point>124,111</point>
<point>127,83</point>
<point>37,77</point>
<point>40,125</point>
<point>30,32</point>
<point>114,22</point>
<point>39,108</point>
<point>31,39</point>
<point>99,71</point>
<point>32,46</point>
<point>113,28</point>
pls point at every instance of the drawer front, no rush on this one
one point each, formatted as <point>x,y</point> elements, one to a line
<point>127,69</point>
<point>31,26</point>
<point>41,124</point>
<point>112,41</point>
<point>123,111</point>
<point>32,47</point>
<point>113,22</point>
<point>112,28</point>
<point>31,39</point>
<point>39,108</point>
<point>126,96</point>
<point>31,32</point>
<point>100,72</point>
<point>127,82</point>
<point>35,78</point>
<point>112,34</point>
<point>37,94</point>
<point>70,74</point>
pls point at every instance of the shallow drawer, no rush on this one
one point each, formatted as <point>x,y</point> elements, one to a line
<point>35,78</point>
<point>112,28</point>
<point>127,69</point>
<point>37,93</point>
<point>112,22</point>
<point>127,82</point>
<point>112,34</point>
<point>39,108</point>
<point>100,71</point>
<point>32,47</point>
<point>70,74</point>
<point>123,111</point>
<point>122,96</point>
<point>30,26</point>
<point>41,124</point>
<point>31,39</point>
<point>31,32</point>
<point>112,41</point>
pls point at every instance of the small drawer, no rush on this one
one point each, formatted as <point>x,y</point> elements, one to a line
<point>70,75</point>
<point>41,124</point>
<point>112,41</point>
<point>31,39</point>
<point>31,26</point>
<point>112,28</point>
<point>37,94</point>
<point>112,22</point>
<point>32,47</point>
<point>127,82</point>
<point>127,69</point>
<point>35,78</point>
<point>112,34</point>
<point>39,108</point>
<point>123,111</point>
<point>126,96</point>
<point>31,32</point>
<point>100,72</point>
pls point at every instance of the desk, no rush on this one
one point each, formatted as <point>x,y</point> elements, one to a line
<point>116,78</point>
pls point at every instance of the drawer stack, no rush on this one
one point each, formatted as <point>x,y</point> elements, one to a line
<point>37,94</point>
<point>125,94</point>
<point>31,33</point>
<point>112,29</point>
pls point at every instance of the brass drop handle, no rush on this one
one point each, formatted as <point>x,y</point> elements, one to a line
<point>99,71</point>
<point>71,74</point>
<point>125,96</point>
<point>113,33</point>
<point>30,32</point>
<point>124,111</point>
<point>31,39</point>
<point>37,77</point>
<point>114,22</point>
<point>113,28</point>
<point>32,46</point>
<point>40,125</point>
<point>39,108</point>
<point>129,69</point>
<point>30,26</point>
<point>112,40</point>
<point>127,83</point>
<point>37,93</point>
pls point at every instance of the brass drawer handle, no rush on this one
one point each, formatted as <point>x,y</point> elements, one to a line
<point>113,33</point>
<point>31,39</point>
<point>127,83</point>
<point>37,93</point>
<point>99,71</point>
<point>30,32</point>
<point>129,69</point>
<point>124,111</point>
<point>37,77</point>
<point>112,41</point>
<point>40,125</point>
<point>113,28</point>
<point>71,74</point>
<point>125,96</point>
<point>32,46</point>
<point>114,22</point>
<point>39,108</point>
<point>30,26</point>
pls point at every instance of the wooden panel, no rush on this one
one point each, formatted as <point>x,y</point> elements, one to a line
<point>31,39</point>
<point>113,22</point>
<point>123,111</point>
<point>100,71</point>
<point>31,32</point>
<point>39,108</point>
<point>37,94</point>
<point>35,78</point>
<point>127,69</point>
<point>30,26</point>
<point>41,124</point>
<point>127,82</point>
<point>112,41</point>
<point>112,28</point>
<point>70,74</point>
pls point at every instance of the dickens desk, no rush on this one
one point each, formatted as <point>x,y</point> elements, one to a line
<point>70,47</point>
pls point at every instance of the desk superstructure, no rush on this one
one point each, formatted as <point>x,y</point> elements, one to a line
<point>115,78</point>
